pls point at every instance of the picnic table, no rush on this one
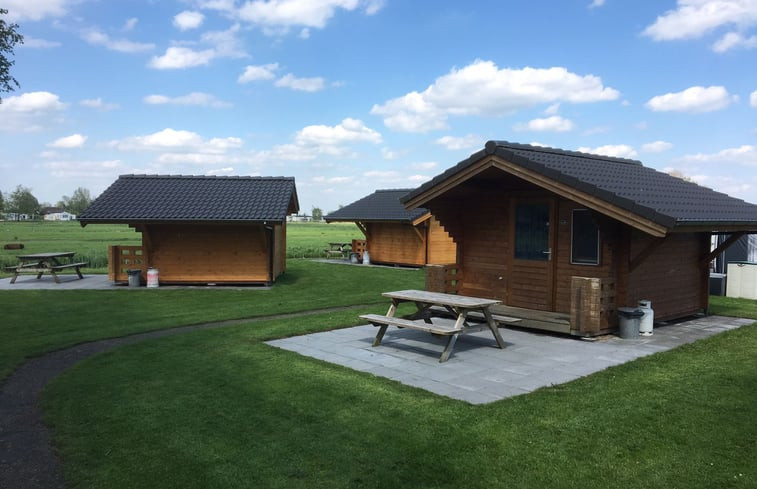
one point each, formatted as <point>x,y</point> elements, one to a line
<point>338,249</point>
<point>40,263</point>
<point>434,310</point>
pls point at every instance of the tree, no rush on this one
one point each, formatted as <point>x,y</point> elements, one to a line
<point>317,214</point>
<point>2,203</point>
<point>9,37</point>
<point>21,201</point>
<point>79,201</point>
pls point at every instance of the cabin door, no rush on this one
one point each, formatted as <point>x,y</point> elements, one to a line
<point>531,275</point>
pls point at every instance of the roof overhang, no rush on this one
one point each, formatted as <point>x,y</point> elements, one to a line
<point>135,222</point>
<point>544,181</point>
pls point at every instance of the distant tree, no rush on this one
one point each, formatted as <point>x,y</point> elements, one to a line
<point>79,201</point>
<point>2,202</point>
<point>317,214</point>
<point>9,37</point>
<point>21,201</point>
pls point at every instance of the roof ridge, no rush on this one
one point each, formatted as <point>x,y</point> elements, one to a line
<point>199,177</point>
<point>558,151</point>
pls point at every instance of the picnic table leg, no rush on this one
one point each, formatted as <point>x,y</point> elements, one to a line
<point>493,327</point>
<point>55,276</point>
<point>15,276</point>
<point>451,340</point>
<point>78,272</point>
<point>380,334</point>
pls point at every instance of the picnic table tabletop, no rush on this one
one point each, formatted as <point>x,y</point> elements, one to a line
<point>48,255</point>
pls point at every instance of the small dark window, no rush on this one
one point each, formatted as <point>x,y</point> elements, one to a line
<point>584,239</point>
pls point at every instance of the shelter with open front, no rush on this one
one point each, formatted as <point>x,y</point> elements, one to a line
<point>395,235</point>
<point>199,229</point>
<point>579,234</point>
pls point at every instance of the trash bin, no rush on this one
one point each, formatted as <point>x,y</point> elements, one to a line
<point>152,277</point>
<point>366,258</point>
<point>646,323</point>
<point>134,277</point>
<point>629,322</point>
<point>354,257</point>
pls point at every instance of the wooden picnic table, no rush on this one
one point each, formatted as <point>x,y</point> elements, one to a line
<point>461,308</point>
<point>340,249</point>
<point>40,263</point>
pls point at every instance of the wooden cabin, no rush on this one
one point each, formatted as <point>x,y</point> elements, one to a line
<point>198,229</point>
<point>579,234</point>
<point>394,235</point>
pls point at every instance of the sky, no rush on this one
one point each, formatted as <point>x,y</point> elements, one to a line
<point>352,96</point>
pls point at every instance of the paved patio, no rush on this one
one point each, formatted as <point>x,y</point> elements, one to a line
<point>478,372</point>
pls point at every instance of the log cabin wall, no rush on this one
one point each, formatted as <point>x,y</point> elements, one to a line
<point>279,250</point>
<point>441,248</point>
<point>565,270</point>
<point>671,276</point>
<point>193,253</point>
<point>395,243</point>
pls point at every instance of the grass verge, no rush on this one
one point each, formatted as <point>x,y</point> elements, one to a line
<point>221,409</point>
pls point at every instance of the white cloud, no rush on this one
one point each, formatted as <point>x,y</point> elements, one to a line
<point>424,165</point>
<point>743,155</point>
<point>181,57</point>
<point>194,98</point>
<point>286,13</point>
<point>694,18</point>
<point>68,142</point>
<point>32,102</point>
<point>98,38</point>
<point>304,33</point>
<point>734,40</point>
<point>171,139</point>
<point>33,42</point>
<point>348,131</point>
<point>83,169</point>
<point>187,20</point>
<point>693,99</point>
<point>614,150</point>
<point>314,84</point>
<point>596,3</point>
<point>229,170</point>
<point>97,103</point>
<point>225,44</point>
<point>130,24</point>
<point>483,89</point>
<point>259,72</point>
<point>552,109</point>
<point>753,99</point>
<point>457,143</point>
<point>554,123</point>
<point>35,10</point>
<point>656,147</point>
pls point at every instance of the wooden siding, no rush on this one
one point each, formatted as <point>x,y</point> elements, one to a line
<point>395,243</point>
<point>441,248</point>
<point>671,276</point>
<point>209,253</point>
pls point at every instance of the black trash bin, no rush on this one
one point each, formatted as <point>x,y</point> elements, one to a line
<point>134,277</point>
<point>630,319</point>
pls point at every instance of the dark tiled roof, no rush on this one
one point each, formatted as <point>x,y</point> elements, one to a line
<point>657,196</point>
<point>139,198</point>
<point>382,205</point>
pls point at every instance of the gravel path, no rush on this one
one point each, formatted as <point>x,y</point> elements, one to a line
<point>27,459</point>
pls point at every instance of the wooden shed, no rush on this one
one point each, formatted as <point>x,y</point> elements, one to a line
<point>395,235</point>
<point>199,229</point>
<point>579,234</point>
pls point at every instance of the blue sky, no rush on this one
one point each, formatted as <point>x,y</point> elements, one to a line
<point>350,96</point>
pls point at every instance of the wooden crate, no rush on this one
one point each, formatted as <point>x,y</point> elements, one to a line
<point>592,305</point>
<point>358,246</point>
<point>443,278</point>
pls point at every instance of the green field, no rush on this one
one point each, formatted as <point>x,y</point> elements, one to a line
<point>304,240</point>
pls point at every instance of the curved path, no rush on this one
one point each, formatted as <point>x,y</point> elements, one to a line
<point>27,459</point>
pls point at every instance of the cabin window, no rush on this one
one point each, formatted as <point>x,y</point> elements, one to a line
<point>584,242</point>
<point>532,232</point>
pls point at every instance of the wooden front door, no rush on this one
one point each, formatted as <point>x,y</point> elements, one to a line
<point>530,283</point>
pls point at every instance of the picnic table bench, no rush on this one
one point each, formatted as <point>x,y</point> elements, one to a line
<point>41,263</point>
<point>430,306</point>
<point>338,249</point>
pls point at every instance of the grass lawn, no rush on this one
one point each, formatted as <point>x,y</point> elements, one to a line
<point>219,408</point>
<point>37,321</point>
<point>304,239</point>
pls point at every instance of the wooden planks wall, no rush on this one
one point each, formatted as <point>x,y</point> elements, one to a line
<point>671,277</point>
<point>441,247</point>
<point>209,253</point>
<point>395,243</point>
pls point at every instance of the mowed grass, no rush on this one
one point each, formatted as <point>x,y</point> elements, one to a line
<point>37,321</point>
<point>222,409</point>
<point>90,243</point>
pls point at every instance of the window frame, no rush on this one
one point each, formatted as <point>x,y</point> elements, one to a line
<point>573,261</point>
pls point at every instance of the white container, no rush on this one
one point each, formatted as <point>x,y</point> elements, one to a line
<point>741,280</point>
<point>647,320</point>
<point>366,258</point>
<point>152,277</point>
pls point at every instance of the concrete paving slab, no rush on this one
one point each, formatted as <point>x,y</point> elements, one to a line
<point>477,372</point>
